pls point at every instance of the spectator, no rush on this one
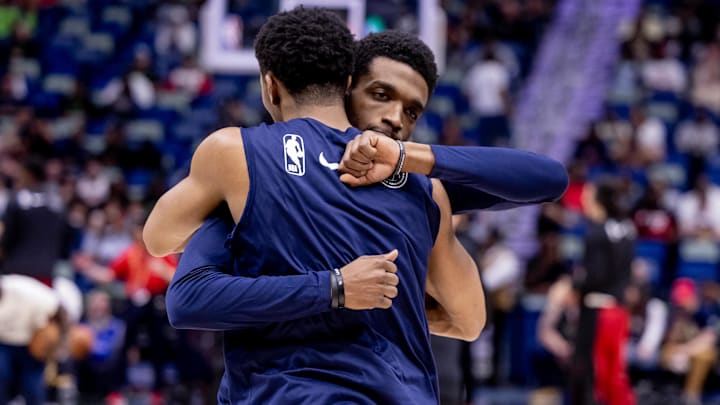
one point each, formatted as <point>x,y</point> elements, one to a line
<point>501,275</point>
<point>616,133</point>
<point>556,331</point>
<point>190,79</point>
<point>135,90</point>
<point>102,372</point>
<point>650,136</point>
<point>652,220</point>
<point>487,86</point>
<point>146,279</point>
<point>93,186</point>
<point>699,139</point>
<point>175,29</point>
<point>706,79</point>
<point>648,321</point>
<point>546,267</point>
<point>698,211</point>
<point>663,72</point>
<point>689,346</point>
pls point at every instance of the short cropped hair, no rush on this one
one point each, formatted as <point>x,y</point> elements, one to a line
<point>400,46</point>
<point>310,50</point>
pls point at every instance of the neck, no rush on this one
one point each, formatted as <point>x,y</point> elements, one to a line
<point>333,116</point>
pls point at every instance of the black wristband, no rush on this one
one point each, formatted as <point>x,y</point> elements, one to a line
<point>401,159</point>
<point>340,289</point>
<point>333,291</point>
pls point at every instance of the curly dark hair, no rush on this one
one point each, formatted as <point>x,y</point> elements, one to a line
<point>310,50</point>
<point>400,46</point>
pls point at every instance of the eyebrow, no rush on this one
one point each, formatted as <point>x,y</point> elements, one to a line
<point>415,102</point>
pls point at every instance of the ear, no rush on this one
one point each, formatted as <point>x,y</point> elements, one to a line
<point>272,88</point>
<point>348,86</point>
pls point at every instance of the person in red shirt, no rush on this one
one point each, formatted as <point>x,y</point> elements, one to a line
<point>146,279</point>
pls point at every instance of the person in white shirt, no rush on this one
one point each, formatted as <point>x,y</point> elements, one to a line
<point>32,323</point>
<point>650,134</point>
<point>698,211</point>
<point>487,86</point>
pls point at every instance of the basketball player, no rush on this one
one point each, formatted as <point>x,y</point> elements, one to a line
<point>269,297</point>
<point>295,220</point>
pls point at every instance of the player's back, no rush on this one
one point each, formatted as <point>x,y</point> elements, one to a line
<point>300,218</point>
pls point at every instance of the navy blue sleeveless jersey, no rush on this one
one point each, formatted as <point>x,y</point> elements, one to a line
<point>300,218</point>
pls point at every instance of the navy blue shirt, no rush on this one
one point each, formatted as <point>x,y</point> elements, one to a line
<point>286,345</point>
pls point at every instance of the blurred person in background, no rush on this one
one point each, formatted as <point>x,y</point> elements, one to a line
<point>556,332</point>
<point>501,275</point>
<point>102,373</point>
<point>145,279</point>
<point>649,140</point>
<point>599,371</point>
<point>698,211</point>
<point>698,138</point>
<point>648,322</point>
<point>616,133</point>
<point>705,91</point>
<point>93,185</point>
<point>663,72</point>
<point>36,236</point>
<point>33,326</point>
<point>487,86</point>
<point>547,266</point>
<point>690,344</point>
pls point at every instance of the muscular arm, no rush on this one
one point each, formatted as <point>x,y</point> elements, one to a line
<point>203,295</point>
<point>218,172</point>
<point>474,177</point>
<point>487,177</point>
<point>453,281</point>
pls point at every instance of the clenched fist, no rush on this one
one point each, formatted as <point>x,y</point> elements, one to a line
<point>369,158</point>
<point>370,281</point>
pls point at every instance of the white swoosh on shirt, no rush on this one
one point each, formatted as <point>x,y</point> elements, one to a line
<point>324,162</point>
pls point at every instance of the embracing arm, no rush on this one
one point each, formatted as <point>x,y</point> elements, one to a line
<point>474,177</point>
<point>488,177</point>
<point>453,281</point>
<point>202,295</point>
<point>218,172</point>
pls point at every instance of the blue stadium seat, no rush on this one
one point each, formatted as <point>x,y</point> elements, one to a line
<point>699,260</point>
<point>654,253</point>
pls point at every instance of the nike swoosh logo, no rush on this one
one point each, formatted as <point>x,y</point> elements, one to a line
<point>324,162</point>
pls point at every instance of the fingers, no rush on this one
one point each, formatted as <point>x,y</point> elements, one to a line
<point>353,181</point>
<point>390,291</point>
<point>391,279</point>
<point>385,303</point>
<point>392,255</point>
<point>358,156</point>
<point>389,267</point>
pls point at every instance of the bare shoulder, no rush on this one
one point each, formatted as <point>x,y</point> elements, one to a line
<point>228,137</point>
<point>219,145</point>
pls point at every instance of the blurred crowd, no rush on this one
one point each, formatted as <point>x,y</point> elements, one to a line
<point>102,103</point>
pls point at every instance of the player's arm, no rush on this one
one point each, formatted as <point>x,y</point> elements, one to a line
<point>218,172</point>
<point>475,177</point>
<point>453,281</point>
<point>204,294</point>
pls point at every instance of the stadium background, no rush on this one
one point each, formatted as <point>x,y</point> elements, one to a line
<point>113,95</point>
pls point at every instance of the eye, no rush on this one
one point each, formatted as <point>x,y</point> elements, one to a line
<point>412,114</point>
<point>380,96</point>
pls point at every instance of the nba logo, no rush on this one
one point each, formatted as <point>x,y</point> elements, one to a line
<point>294,154</point>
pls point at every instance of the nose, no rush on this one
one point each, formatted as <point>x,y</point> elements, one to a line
<point>393,117</point>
